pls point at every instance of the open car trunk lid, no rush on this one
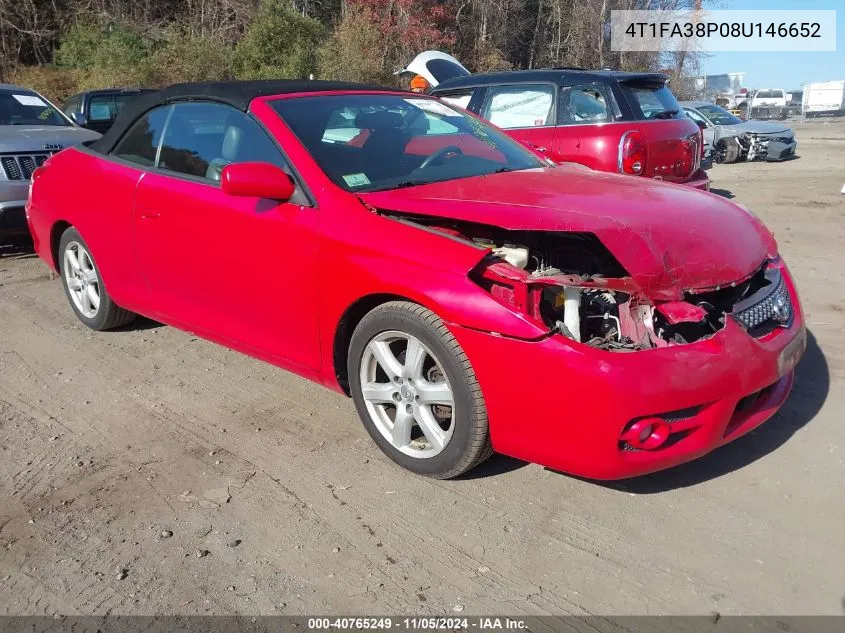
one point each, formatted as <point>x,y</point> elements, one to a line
<point>435,67</point>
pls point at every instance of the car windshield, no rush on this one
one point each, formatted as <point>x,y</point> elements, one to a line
<point>367,142</point>
<point>21,107</point>
<point>718,115</point>
<point>655,101</point>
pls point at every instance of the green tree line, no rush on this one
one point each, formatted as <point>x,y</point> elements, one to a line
<point>63,46</point>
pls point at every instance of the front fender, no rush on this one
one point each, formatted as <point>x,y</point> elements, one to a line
<point>370,254</point>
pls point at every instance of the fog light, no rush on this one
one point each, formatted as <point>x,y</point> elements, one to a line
<point>647,434</point>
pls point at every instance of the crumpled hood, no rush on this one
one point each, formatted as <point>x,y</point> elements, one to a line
<point>669,238</point>
<point>32,138</point>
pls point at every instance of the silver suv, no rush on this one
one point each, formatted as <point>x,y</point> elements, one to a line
<point>31,130</point>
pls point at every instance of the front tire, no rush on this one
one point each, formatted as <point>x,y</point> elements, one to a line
<point>416,392</point>
<point>84,287</point>
<point>727,151</point>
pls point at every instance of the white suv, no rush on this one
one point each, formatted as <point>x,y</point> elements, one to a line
<point>31,130</point>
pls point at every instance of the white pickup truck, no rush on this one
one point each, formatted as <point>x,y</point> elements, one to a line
<point>769,103</point>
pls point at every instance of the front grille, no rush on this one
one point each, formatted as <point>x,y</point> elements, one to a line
<point>745,406</point>
<point>771,305</point>
<point>21,166</point>
<point>11,167</point>
<point>748,402</point>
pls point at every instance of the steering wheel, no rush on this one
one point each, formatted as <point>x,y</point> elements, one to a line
<point>440,154</point>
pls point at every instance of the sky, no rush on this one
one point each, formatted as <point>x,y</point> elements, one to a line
<point>787,70</point>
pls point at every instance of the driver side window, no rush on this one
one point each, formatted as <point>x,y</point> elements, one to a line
<point>202,138</point>
<point>140,144</point>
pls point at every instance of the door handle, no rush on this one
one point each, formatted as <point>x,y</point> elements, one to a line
<point>150,215</point>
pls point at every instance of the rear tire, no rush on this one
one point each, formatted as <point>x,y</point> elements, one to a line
<point>406,409</point>
<point>84,286</point>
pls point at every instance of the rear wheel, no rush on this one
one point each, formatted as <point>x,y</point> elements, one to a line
<point>84,286</point>
<point>416,392</point>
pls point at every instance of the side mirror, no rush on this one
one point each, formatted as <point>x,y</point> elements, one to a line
<point>701,124</point>
<point>80,119</point>
<point>257,180</point>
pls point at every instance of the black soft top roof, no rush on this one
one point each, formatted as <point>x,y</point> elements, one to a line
<point>235,93</point>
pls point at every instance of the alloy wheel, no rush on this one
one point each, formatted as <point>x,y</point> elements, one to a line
<point>407,394</point>
<point>81,278</point>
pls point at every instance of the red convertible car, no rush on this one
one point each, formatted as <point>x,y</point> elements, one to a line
<point>470,297</point>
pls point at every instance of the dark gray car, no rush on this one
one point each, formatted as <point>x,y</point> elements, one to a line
<point>31,130</point>
<point>733,139</point>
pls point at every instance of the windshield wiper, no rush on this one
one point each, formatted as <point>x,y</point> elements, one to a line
<point>502,170</point>
<point>401,185</point>
<point>410,183</point>
<point>666,114</point>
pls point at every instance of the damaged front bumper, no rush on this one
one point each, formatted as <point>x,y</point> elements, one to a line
<point>572,407</point>
<point>769,147</point>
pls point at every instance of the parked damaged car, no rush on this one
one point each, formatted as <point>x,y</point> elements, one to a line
<point>733,139</point>
<point>469,296</point>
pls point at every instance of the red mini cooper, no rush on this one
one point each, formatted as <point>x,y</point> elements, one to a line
<point>469,296</point>
<point>620,122</point>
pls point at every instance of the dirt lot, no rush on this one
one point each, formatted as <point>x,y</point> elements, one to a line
<point>148,471</point>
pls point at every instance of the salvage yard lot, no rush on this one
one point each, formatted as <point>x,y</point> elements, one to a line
<point>148,471</point>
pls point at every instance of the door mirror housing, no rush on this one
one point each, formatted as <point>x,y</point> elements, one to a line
<point>701,124</point>
<point>257,180</point>
<point>80,119</point>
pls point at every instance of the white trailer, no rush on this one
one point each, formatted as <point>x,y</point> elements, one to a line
<point>824,97</point>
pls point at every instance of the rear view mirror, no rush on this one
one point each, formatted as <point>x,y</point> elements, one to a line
<point>80,119</point>
<point>257,180</point>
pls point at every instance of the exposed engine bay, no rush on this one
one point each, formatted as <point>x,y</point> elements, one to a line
<point>573,285</point>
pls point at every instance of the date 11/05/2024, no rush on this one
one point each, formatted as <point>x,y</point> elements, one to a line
<point>417,623</point>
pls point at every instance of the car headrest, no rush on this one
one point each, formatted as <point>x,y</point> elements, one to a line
<point>378,120</point>
<point>232,142</point>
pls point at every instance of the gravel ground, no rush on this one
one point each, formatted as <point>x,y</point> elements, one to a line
<point>148,471</point>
